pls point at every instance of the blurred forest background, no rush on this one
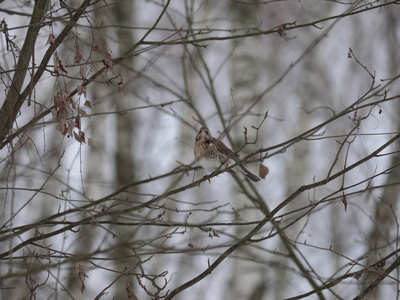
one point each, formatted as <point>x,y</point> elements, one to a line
<point>101,197</point>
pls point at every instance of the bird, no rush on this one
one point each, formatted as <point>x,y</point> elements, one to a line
<point>212,154</point>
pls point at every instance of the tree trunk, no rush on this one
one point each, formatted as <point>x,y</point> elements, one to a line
<point>384,229</point>
<point>246,281</point>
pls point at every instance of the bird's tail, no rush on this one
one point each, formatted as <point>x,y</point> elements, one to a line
<point>242,169</point>
<point>248,174</point>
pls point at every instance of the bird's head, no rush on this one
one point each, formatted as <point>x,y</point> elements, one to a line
<point>203,135</point>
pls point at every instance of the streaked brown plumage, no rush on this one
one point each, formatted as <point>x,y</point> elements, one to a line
<point>212,154</point>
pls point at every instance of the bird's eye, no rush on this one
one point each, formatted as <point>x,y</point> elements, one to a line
<point>203,129</point>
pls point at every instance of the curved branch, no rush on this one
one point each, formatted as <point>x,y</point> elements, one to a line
<point>269,217</point>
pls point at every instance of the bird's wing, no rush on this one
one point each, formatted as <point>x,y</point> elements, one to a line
<point>223,149</point>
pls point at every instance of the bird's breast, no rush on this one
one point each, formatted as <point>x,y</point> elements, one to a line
<point>209,165</point>
<point>200,148</point>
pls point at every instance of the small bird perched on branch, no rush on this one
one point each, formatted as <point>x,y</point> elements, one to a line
<point>212,154</point>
